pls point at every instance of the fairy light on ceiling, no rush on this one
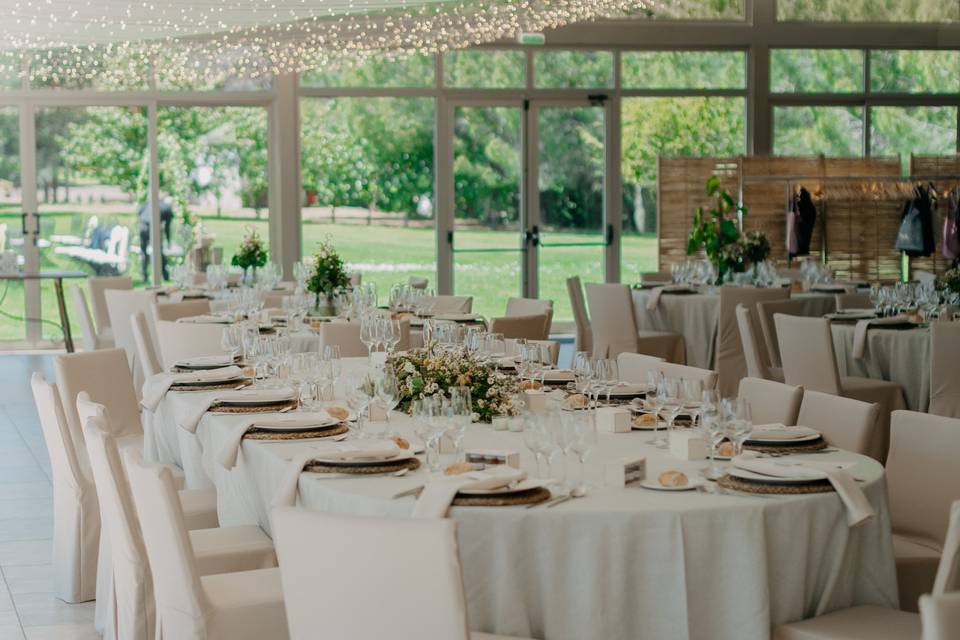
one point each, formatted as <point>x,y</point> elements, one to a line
<point>76,41</point>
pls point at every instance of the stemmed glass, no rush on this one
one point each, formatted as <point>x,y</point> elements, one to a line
<point>331,354</point>
<point>368,333</point>
<point>533,437</point>
<point>670,403</point>
<point>231,340</point>
<point>611,376</point>
<point>711,426</point>
<point>653,403</point>
<point>738,423</point>
<point>461,409</point>
<point>388,393</point>
<point>583,439</point>
<point>358,398</point>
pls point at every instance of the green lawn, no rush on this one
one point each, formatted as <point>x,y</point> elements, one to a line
<point>385,255</point>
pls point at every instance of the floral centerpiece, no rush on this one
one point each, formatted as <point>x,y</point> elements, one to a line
<point>252,253</point>
<point>949,282</point>
<point>327,275</point>
<point>429,372</point>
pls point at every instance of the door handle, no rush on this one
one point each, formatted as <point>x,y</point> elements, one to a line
<point>609,234</point>
<point>532,236</point>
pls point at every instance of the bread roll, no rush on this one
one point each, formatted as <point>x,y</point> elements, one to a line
<point>338,412</point>
<point>673,479</point>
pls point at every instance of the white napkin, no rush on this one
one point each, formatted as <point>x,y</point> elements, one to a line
<point>228,454</point>
<point>206,362</point>
<point>558,375</point>
<point>860,332</point>
<point>781,432</point>
<point>653,298</point>
<point>158,385</point>
<point>286,495</point>
<point>206,319</point>
<point>628,388</point>
<point>436,497</point>
<point>193,417</point>
<point>859,509</point>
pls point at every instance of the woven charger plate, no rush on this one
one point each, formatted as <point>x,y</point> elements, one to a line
<point>747,486</point>
<point>363,469</point>
<point>530,496</point>
<point>815,445</point>
<point>273,407</point>
<point>226,384</point>
<point>274,434</point>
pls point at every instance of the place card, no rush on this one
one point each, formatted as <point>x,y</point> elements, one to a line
<point>500,423</point>
<point>625,472</point>
<point>687,445</point>
<point>613,420</point>
<point>490,457</point>
<point>535,400</point>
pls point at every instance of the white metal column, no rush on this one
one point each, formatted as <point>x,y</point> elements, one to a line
<point>284,174</point>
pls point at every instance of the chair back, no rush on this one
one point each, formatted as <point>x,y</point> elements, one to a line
<point>91,340</point>
<point>752,350</point>
<point>853,301</point>
<point>552,347</point>
<point>731,361</point>
<point>146,351</point>
<point>183,309</point>
<point>584,339</point>
<point>944,380</point>
<point>923,462</point>
<point>65,465</point>
<point>771,402</point>
<point>532,307</point>
<point>948,571</point>
<point>806,347</point>
<point>940,616</point>
<point>180,340</point>
<point>345,334</point>
<point>529,327</point>
<point>633,367</point>
<point>122,305</point>
<point>845,423</point>
<point>179,594</point>
<point>98,285</point>
<point>449,304</point>
<point>612,323</point>
<point>765,313</point>
<point>104,376</point>
<point>707,378</point>
<point>656,277</point>
<point>394,577</point>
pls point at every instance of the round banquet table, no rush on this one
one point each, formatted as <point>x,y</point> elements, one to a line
<point>696,317</point>
<point>626,563</point>
<point>898,355</point>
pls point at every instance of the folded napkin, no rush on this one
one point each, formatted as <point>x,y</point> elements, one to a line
<point>193,417</point>
<point>859,509</point>
<point>653,298</point>
<point>558,375</point>
<point>437,496</point>
<point>228,453</point>
<point>860,332</point>
<point>286,495</point>
<point>781,432</point>
<point>628,388</point>
<point>205,362</point>
<point>207,319</point>
<point>157,386</point>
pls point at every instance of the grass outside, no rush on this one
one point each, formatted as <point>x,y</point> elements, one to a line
<point>386,255</point>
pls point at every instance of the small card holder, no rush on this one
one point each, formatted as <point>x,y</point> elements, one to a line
<point>625,472</point>
<point>490,457</point>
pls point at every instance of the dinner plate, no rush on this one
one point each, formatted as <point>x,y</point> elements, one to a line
<point>257,396</point>
<point>315,424</point>
<point>656,486</point>
<point>212,380</point>
<point>750,476</point>
<point>525,485</point>
<point>204,362</point>
<point>809,438</point>
<point>402,454</point>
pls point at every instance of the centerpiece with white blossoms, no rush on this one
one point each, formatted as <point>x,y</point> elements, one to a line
<point>430,372</point>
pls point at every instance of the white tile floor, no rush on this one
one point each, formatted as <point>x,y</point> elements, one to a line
<point>28,609</point>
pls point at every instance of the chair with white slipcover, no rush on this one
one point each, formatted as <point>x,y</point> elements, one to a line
<point>91,339</point>
<point>731,364</point>
<point>230,606</point>
<point>146,349</point>
<point>706,377</point>
<point>447,304</point>
<point>633,367</point>
<point>771,402</point>
<point>344,334</point>
<point>526,327</point>
<point>121,305</point>
<point>98,285</point>
<point>753,352</point>
<point>940,616</point>
<point>392,588</point>
<point>844,422</point>
<point>791,307</point>
<point>584,335</point>
<point>944,381</point>
<point>847,301</point>
<point>614,327</point>
<point>178,340</point>
<point>517,307</point>
<point>183,309</point>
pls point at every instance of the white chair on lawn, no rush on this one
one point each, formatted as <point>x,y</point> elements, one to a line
<point>101,314</point>
<point>230,606</point>
<point>76,516</point>
<point>146,350</point>
<point>344,334</point>
<point>940,616</point>
<point>392,586</point>
<point>633,367</point>
<point>131,609</point>
<point>809,361</point>
<point>91,339</point>
<point>922,462</point>
<point>614,327</point>
<point>771,402</point>
<point>584,337</point>
<point>180,340</point>
<point>731,363</point>
<point>706,377</point>
<point>879,623</point>
<point>183,309</point>
<point>944,381</point>
<point>845,423</point>
<point>753,352</point>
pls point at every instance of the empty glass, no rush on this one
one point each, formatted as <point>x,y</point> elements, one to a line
<point>583,439</point>
<point>388,393</point>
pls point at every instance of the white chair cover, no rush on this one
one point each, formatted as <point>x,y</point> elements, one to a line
<point>529,327</point>
<point>449,304</point>
<point>232,606</point>
<point>753,352</point>
<point>706,377</point>
<point>180,340</point>
<point>730,361</point>
<point>944,378</point>
<point>853,301</point>
<point>345,334</point>
<point>98,285</point>
<point>532,307</point>
<point>76,515</point>
<point>182,309</point>
<point>552,347</point>
<point>584,339</point>
<point>121,305</point>
<point>948,573</point>
<point>146,353</point>
<point>845,423</point>
<point>765,313</point>
<point>771,402</point>
<point>614,327</point>
<point>633,367</point>
<point>941,616</point>
<point>91,340</point>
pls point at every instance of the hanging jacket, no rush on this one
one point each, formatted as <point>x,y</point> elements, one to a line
<point>951,227</point>
<point>921,206</point>
<point>806,215</point>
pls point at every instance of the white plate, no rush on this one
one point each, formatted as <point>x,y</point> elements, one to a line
<point>743,474</point>
<point>258,396</point>
<point>656,486</point>
<point>402,454</point>
<point>810,438</point>
<point>204,362</point>
<point>315,424</point>
<point>520,486</point>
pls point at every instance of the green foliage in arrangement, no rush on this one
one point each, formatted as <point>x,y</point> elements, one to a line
<point>716,233</point>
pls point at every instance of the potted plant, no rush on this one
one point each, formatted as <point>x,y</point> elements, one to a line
<point>328,275</point>
<point>718,233</point>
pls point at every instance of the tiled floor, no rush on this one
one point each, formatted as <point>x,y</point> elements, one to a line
<point>28,609</point>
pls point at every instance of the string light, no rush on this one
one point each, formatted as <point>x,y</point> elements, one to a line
<point>117,42</point>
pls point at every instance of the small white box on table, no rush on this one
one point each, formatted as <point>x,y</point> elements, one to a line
<point>625,471</point>
<point>613,420</point>
<point>687,444</point>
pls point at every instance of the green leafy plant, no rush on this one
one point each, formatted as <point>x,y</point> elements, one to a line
<point>253,251</point>
<point>329,272</point>
<point>716,233</point>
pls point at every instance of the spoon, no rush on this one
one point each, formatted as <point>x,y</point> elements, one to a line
<point>576,492</point>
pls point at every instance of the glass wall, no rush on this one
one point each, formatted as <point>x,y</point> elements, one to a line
<point>12,301</point>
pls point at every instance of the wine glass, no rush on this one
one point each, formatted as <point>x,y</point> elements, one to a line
<point>611,376</point>
<point>231,340</point>
<point>331,353</point>
<point>652,402</point>
<point>462,409</point>
<point>670,403</point>
<point>711,426</point>
<point>739,423</point>
<point>583,439</point>
<point>533,437</point>
<point>388,393</point>
<point>358,398</point>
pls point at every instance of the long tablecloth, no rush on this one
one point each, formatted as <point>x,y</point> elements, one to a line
<point>696,317</point>
<point>619,563</point>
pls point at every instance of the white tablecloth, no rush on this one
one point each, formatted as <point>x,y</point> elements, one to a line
<point>619,563</point>
<point>901,356</point>
<point>696,317</point>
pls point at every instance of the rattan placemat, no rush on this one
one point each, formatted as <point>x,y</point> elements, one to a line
<point>211,386</point>
<point>274,434</point>
<point>272,407</point>
<point>365,469</point>
<point>805,447</point>
<point>529,496</point>
<point>747,486</point>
